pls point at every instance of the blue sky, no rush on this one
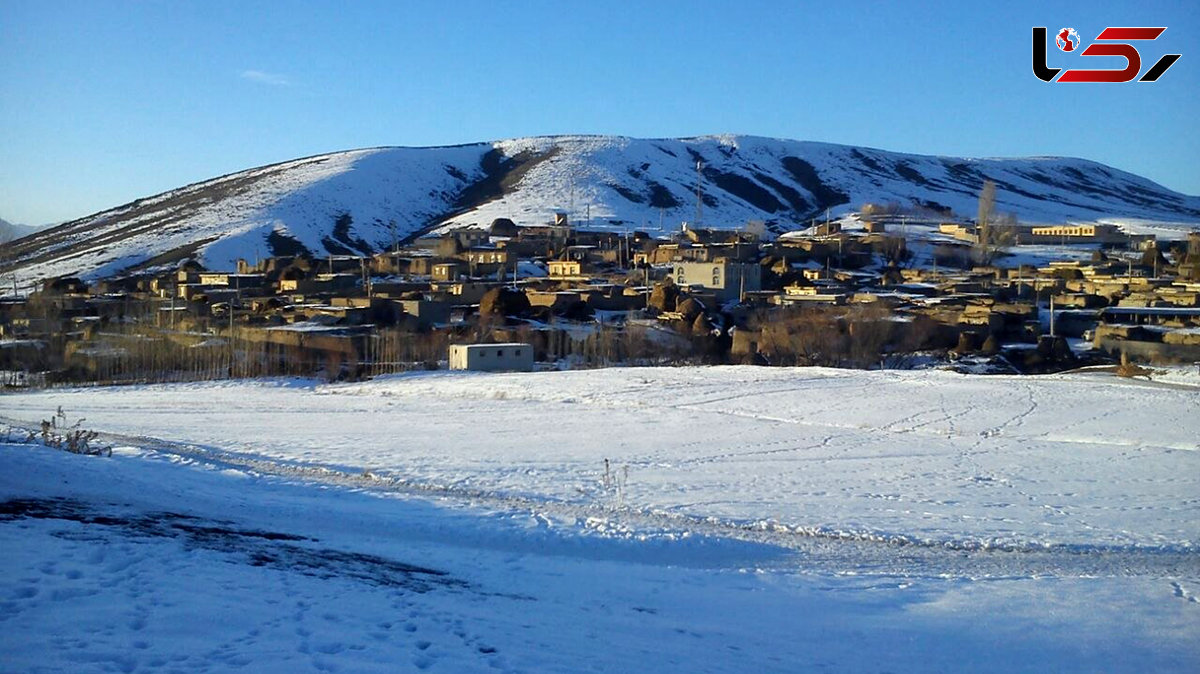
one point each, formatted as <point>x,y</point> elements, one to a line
<point>105,102</point>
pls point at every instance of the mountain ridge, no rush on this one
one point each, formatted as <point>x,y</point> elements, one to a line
<point>360,201</point>
<point>14,230</point>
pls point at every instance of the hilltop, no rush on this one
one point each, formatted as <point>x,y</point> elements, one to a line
<point>362,201</point>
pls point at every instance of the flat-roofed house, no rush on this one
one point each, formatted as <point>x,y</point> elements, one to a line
<point>565,268</point>
<point>727,280</point>
<point>506,357</point>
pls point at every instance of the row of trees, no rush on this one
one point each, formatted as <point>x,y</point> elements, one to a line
<point>863,335</point>
<point>138,353</point>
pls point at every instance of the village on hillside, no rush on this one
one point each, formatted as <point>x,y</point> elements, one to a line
<point>858,292</point>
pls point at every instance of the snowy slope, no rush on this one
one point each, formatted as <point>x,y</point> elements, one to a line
<point>771,520</point>
<point>357,201</point>
<point>146,563</point>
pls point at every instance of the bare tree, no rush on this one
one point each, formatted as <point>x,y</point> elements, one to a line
<point>987,202</point>
<point>992,235</point>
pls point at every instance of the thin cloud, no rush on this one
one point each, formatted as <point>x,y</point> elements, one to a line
<point>263,77</point>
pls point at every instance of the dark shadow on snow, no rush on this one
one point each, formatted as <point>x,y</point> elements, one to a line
<point>272,549</point>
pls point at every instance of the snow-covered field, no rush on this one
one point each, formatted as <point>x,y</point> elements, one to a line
<point>687,519</point>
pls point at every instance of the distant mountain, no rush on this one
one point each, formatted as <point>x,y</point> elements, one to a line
<point>360,201</point>
<point>10,231</point>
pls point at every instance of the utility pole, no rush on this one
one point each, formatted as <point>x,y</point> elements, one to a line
<point>1051,313</point>
<point>646,283</point>
<point>699,184</point>
<point>232,344</point>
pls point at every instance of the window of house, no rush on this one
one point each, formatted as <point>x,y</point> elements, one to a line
<point>500,352</point>
<point>517,353</point>
<point>716,276</point>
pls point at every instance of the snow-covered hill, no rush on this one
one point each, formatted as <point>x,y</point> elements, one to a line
<point>363,200</point>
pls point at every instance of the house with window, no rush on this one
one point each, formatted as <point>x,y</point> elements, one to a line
<point>506,357</point>
<point>1078,233</point>
<point>725,279</point>
<point>565,268</point>
<point>447,271</point>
